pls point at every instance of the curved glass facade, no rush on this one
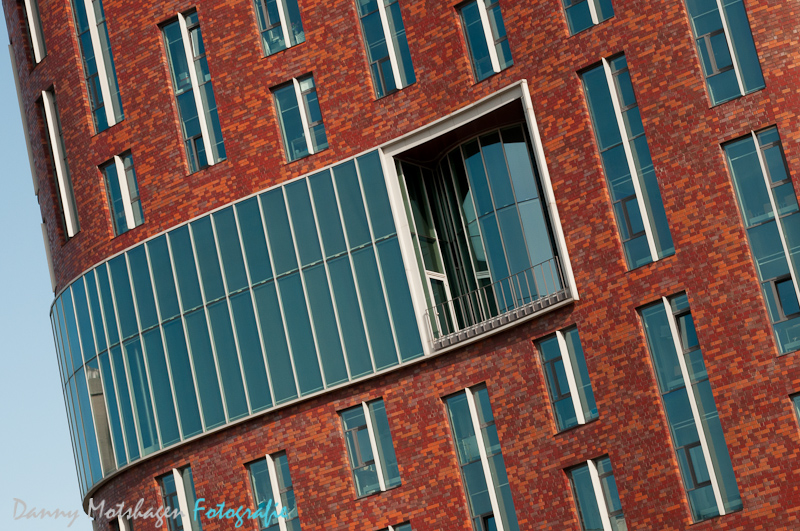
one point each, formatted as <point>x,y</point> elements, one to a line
<point>278,296</point>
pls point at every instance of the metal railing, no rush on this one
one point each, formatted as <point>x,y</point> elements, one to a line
<point>497,303</point>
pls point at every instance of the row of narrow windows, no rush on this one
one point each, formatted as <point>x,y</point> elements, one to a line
<point>688,401</point>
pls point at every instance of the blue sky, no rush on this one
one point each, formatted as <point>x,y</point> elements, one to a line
<point>36,463</point>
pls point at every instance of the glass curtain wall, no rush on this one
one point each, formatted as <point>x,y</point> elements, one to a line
<point>480,230</point>
<point>276,297</point>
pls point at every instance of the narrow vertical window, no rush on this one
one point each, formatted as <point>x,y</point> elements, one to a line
<point>279,23</point>
<point>691,411</point>
<point>55,137</point>
<point>177,492</point>
<point>796,403</point>
<point>272,488</point>
<point>768,205</point>
<point>726,48</point>
<point>568,379</point>
<point>485,32</point>
<point>300,118</point>
<point>370,448</point>
<point>123,194</point>
<point>631,177</point>
<point>583,14</point>
<point>596,496</point>
<point>191,78</point>
<point>387,46</point>
<point>34,26</point>
<point>98,63</point>
<point>482,467</point>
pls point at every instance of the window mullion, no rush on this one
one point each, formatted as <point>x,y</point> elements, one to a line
<point>70,216</point>
<point>573,385</point>
<point>33,30</point>
<point>637,185</point>
<point>301,104</point>
<point>183,504</point>
<point>593,12</point>
<point>487,31</point>
<point>122,177</point>
<point>487,473</point>
<point>598,493</point>
<point>282,15</point>
<point>712,471</point>
<point>99,55</point>
<point>398,82</point>
<point>373,443</point>
<point>776,215</point>
<point>276,491</point>
<point>729,43</point>
<point>198,101</point>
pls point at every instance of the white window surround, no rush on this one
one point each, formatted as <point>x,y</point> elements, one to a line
<point>487,33</point>
<point>570,372</point>
<point>180,488</point>
<point>276,490</point>
<point>35,30</point>
<point>124,190</point>
<point>100,60</point>
<point>597,486</point>
<point>701,432</point>
<point>516,91</point>
<point>65,192</point>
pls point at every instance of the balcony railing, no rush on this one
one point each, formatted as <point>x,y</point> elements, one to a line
<point>497,304</point>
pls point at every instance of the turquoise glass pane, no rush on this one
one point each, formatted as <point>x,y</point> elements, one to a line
<point>185,269</point>
<point>93,453</point>
<point>380,210</point>
<point>113,411</point>
<point>97,315</point>
<point>255,243</point>
<point>230,371</point>
<point>143,404</point>
<point>230,250</point>
<point>83,318</point>
<point>303,223</point>
<point>300,336</point>
<point>125,405</point>
<point>403,317</point>
<point>374,303</point>
<point>280,364</point>
<point>207,259</point>
<point>476,39</point>
<point>280,235</point>
<point>255,372</point>
<point>330,224</point>
<point>162,393</point>
<point>355,217</point>
<point>325,327</point>
<point>163,279</point>
<point>123,296</point>
<point>353,329</point>
<point>182,379</point>
<point>204,370</point>
<point>142,287</point>
<point>72,330</point>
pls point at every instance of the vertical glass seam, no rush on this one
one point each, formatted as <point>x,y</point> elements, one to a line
<point>729,43</point>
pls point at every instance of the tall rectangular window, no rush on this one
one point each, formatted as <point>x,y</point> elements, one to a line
<point>483,470</point>
<point>726,48</point>
<point>768,205</point>
<point>387,46</point>
<point>568,379</point>
<point>279,23</point>
<point>300,118</point>
<point>691,411</point>
<point>272,487</point>
<point>55,138</point>
<point>34,26</point>
<point>98,63</point>
<point>629,170</point>
<point>583,14</point>
<point>177,492</point>
<point>596,496</point>
<point>191,79</point>
<point>485,32</point>
<point>370,448</point>
<point>123,193</point>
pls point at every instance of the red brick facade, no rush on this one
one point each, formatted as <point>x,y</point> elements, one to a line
<point>712,262</point>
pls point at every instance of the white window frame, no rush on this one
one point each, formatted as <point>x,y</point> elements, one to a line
<point>276,491</point>
<point>487,33</point>
<point>570,371</point>
<point>734,59</point>
<point>597,486</point>
<point>124,190</point>
<point>65,191</point>
<point>187,516</point>
<point>100,60</point>
<point>687,381</point>
<point>390,44</point>
<point>35,30</point>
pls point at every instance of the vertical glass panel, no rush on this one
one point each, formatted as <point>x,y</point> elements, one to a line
<point>278,360</point>
<point>84,321</point>
<point>383,440</point>
<point>229,369</point>
<point>662,346</point>
<point>300,335</point>
<point>743,45</point>
<point>585,498</point>
<point>123,296</point>
<point>72,330</point>
<point>185,269</point>
<point>377,318</point>
<point>355,217</point>
<point>260,482</point>
<point>500,182</point>
<point>162,389</point>
<point>305,229</point>
<point>93,453</point>
<point>108,305</point>
<point>330,346</point>
<point>66,358</point>
<point>255,372</point>
<point>294,138</point>
<point>350,319</point>
<point>749,181</point>
<point>97,315</point>
<point>380,210</point>
<point>182,380</point>
<point>78,440</point>
<point>403,317</point>
<point>142,287</point>
<point>463,430</point>
<point>280,235</point>
<point>205,370</point>
<point>143,404</point>
<point>207,259</point>
<point>125,405</point>
<point>230,250</point>
<point>162,278</point>
<point>601,108</point>
<point>477,41</point>
<point>477,177</point>
<point>255,244</point>
<point>113,411</point>
<point>579,16</point>
<point>330,225</point>
<point>581,374</point>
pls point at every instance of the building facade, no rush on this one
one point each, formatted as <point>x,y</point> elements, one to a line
<point>405,265</point>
